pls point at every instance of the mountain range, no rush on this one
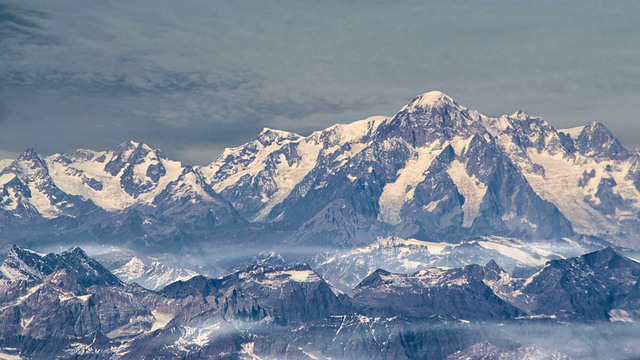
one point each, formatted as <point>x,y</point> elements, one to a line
<point>68,305</point>
<point>435,171</point>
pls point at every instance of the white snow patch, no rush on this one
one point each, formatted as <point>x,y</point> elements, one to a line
<point>395,194</point>
<point>470,188</point>
<point>436,248</point>
<point>619,315</point>
<point>295,275</point>
<point>287,177</point>
<point>69,178</point>
<point>161,320</point>
<point>4,163</point>
<point>12,274</point>
<point>559,185</point>
<point>5,178</point>
<point>248,351</point>
<point>5,356</point>
<point>573,132</point>
<point>512,252</point>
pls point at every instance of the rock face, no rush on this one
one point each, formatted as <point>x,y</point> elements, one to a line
<point>68,306</point>
<point>189,199</point>
<point>30,266</point>
<point>602,285</point>
<point>65,296</point>
<point>456,293</point>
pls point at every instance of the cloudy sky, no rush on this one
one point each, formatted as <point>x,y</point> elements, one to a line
<point>194,77</point>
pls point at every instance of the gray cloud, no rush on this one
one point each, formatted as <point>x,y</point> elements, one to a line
<point>192,78</point>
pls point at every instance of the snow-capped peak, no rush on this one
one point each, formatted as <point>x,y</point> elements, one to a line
<point>432,99</point>
<point>29,159</point>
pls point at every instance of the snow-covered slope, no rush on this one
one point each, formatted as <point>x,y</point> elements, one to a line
<point>152,274</point>
<point>132,173</point>
<point>28,190</point>
<point>257,176</point>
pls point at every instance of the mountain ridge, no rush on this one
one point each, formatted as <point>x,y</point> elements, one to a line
<point>290,311</point>
<point>435,171</point>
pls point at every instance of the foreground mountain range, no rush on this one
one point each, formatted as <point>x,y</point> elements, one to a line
<point>435,171</point>
<point>68,305</point>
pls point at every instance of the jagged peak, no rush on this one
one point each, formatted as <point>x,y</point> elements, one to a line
<point>85,155</point>
<point>29,166</point>
<point>594,127</point>
<point>519,115</point>
<point>375,275</point>
<point>492,264</point>
<point>268,136</point>
<point>19,253</point>
<point>597,140</point>
<point>29,154</point>
<point>191,175</point>
<point>76,250</point>
<point>130,151</point>
<point>131,145</point>
<point>594,124</point>
<point>190,169</point>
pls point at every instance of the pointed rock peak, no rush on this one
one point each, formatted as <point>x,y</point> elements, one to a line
<point>493,271</point>
<point>15,248</point>
<point>493,265</point>
<point>269,259</point>
<point>127,145</point>
<point>607,252</point>
<point>374,279</point>
<point>191,174</point>
<point>594,124</point>
<point>30,152</point>
<point>131,146</point>
<point>29,155</point>
<point>519,115</point>
<point>129,152</point>
<point>269,136</point>
<point>188,169</point>
<point>77,251</point>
